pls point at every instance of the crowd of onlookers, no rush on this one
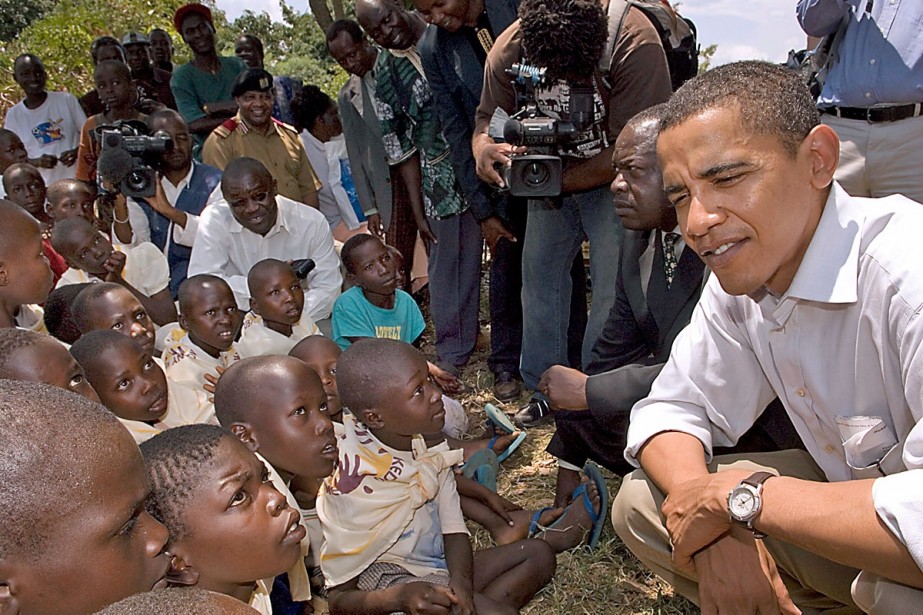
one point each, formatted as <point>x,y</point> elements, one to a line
<point>210,321</point>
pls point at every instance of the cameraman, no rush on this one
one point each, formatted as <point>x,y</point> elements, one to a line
<point>568,38</point>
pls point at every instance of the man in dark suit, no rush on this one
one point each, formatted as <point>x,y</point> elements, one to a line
<point>656,291</point>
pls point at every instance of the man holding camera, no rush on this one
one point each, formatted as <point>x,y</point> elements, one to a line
<point>637,78</point>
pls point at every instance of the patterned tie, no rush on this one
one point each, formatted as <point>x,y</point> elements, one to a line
<point>669,257</point>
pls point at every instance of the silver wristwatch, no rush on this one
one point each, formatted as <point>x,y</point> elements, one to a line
<point>745,501</point>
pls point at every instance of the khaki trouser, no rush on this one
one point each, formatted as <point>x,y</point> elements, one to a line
<point>814,583</point>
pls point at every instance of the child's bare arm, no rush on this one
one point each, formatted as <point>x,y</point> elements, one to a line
<point>460,560</point>
<point>412,598</point>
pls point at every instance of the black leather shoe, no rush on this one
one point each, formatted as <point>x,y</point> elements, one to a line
<point>535,414</point>
<point>507,386</point>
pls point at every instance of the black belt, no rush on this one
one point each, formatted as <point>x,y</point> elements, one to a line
<point>876,114</point>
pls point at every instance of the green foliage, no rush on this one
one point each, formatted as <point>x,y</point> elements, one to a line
<point>706,55</point>
<point>16,15</point>
<point>295,47</point>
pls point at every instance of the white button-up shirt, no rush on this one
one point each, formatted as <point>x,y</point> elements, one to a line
<point>842,342</point>
<point>223,247</point>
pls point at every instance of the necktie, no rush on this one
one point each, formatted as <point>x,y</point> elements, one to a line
<point>669,257</point>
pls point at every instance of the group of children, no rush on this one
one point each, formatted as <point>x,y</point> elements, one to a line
<point>282,466</point>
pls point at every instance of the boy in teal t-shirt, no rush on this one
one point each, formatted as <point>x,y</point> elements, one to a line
<point>375,306</point>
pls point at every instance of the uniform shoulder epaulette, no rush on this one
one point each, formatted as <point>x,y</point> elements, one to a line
<point>284,125</point>
<point>227,127</point>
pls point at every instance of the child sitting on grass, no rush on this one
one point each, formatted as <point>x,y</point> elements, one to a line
<point>35,357</point>
<point>276,405</point>
<point>395,539</point>
<point>231,531</point>
<point>505,521</point>
<point>111,306</point>
<point>133,387</point>
<point>24,272</point>
<point>203,346</point>
<point>25,186</point>
<point>142,269</point>
<point>277,319</point>
<point>75,533</point>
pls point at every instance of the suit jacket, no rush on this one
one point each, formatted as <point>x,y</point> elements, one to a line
<point>367,158</point>
<point>637,338</point>
<point>456,77</point>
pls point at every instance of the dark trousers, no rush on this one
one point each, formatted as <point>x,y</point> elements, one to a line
<point>402,231</point>
<point>579,436</point>
<point>505,291</point>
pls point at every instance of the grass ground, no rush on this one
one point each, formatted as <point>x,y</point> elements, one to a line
<point>605,581</point>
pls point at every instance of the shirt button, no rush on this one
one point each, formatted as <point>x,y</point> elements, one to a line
<point>868,94</point>
<point>799,392</point>
<point>872,61</point>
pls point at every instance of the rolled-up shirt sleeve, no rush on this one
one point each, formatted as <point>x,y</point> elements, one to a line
<point>899,505</point>
<point>323,284</point>
<point>712,387</point>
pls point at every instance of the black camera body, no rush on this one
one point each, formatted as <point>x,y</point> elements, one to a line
<point>538,173</point>
<point>128,156</point>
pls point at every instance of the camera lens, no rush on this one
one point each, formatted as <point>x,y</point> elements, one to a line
<point>137,181</point>
<point>535,174</point>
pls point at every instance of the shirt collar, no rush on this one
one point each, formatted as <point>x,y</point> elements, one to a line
<point>311,140</point>
<point>183,182</point>
<point>829,271</point>
<point>247,129</point>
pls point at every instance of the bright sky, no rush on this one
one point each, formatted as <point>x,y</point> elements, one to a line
<point>750,29</point>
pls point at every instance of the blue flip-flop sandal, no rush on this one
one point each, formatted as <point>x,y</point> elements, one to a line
<point>598,518</point>
<point>502,422</point>
<point>483,467</point>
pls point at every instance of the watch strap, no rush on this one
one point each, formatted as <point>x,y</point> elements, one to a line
<point>757,478</point>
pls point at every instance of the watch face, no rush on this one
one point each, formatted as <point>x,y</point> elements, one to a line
<point>742,503</point>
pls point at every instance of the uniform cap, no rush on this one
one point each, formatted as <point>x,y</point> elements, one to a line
<point>252,80</point>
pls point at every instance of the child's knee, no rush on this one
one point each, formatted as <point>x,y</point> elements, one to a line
<point>540,558</point>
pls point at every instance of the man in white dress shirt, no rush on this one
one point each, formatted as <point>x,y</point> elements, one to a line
<point>816,297</point>
<point>254,223</point>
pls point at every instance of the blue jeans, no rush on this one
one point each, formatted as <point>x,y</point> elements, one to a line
<point>553,238</point>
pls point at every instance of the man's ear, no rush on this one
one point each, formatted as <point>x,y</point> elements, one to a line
<point>182,321</point>
<point>254,308</point>
<point>824,150</point>
<point>372,418</point>
<point>4,277</point>
<point>245,435</point>
<point>181,573</point>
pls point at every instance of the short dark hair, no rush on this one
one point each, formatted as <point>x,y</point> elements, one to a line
<point>11,340</point>
<point>164,114</point>
<point>117,65</point>
<point>240,383</point>
<point>193,283</point>
<point>352,244</point>
<point>241,166</point>
<point>80,309</point>
<point>174,460</point>
<point>49,437</point>
<point>566,37</point>
<point>64,230</point>
<point>253,38</point>
<point>364,370</point>
<point>13,168</point>
<point>176,601</point>
<point>91,346</point>
<point>770,100</point>
<point>351,27</point>
<point>31,57</point>
<point>310,104</point>
<point>104,41</point>
<point>260,268</point>
<point>58,188</point>
<point>59,312</point>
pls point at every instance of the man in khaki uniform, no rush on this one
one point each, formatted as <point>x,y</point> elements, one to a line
<point>254,133</point>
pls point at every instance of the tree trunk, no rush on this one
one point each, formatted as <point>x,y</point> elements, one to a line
<point>322,13</point>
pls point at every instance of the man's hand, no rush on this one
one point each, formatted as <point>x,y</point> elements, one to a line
<point>446,381</point>
<point>696,513</point>
<point>737,575</point>
<point>376,227</point>
<point>114,266</point>
<point>45,161</point>
<point>426,233</point>
<point>487,153</point>
<point>421,598</point>
<point>494,230</point>
<point>68,158</point>
<point>565,387</point>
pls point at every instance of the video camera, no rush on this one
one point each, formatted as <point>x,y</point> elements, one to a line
<point>538,173</point>
<point>128,155</point>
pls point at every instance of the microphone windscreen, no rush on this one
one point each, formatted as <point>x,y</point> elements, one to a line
<point>114,165</point>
